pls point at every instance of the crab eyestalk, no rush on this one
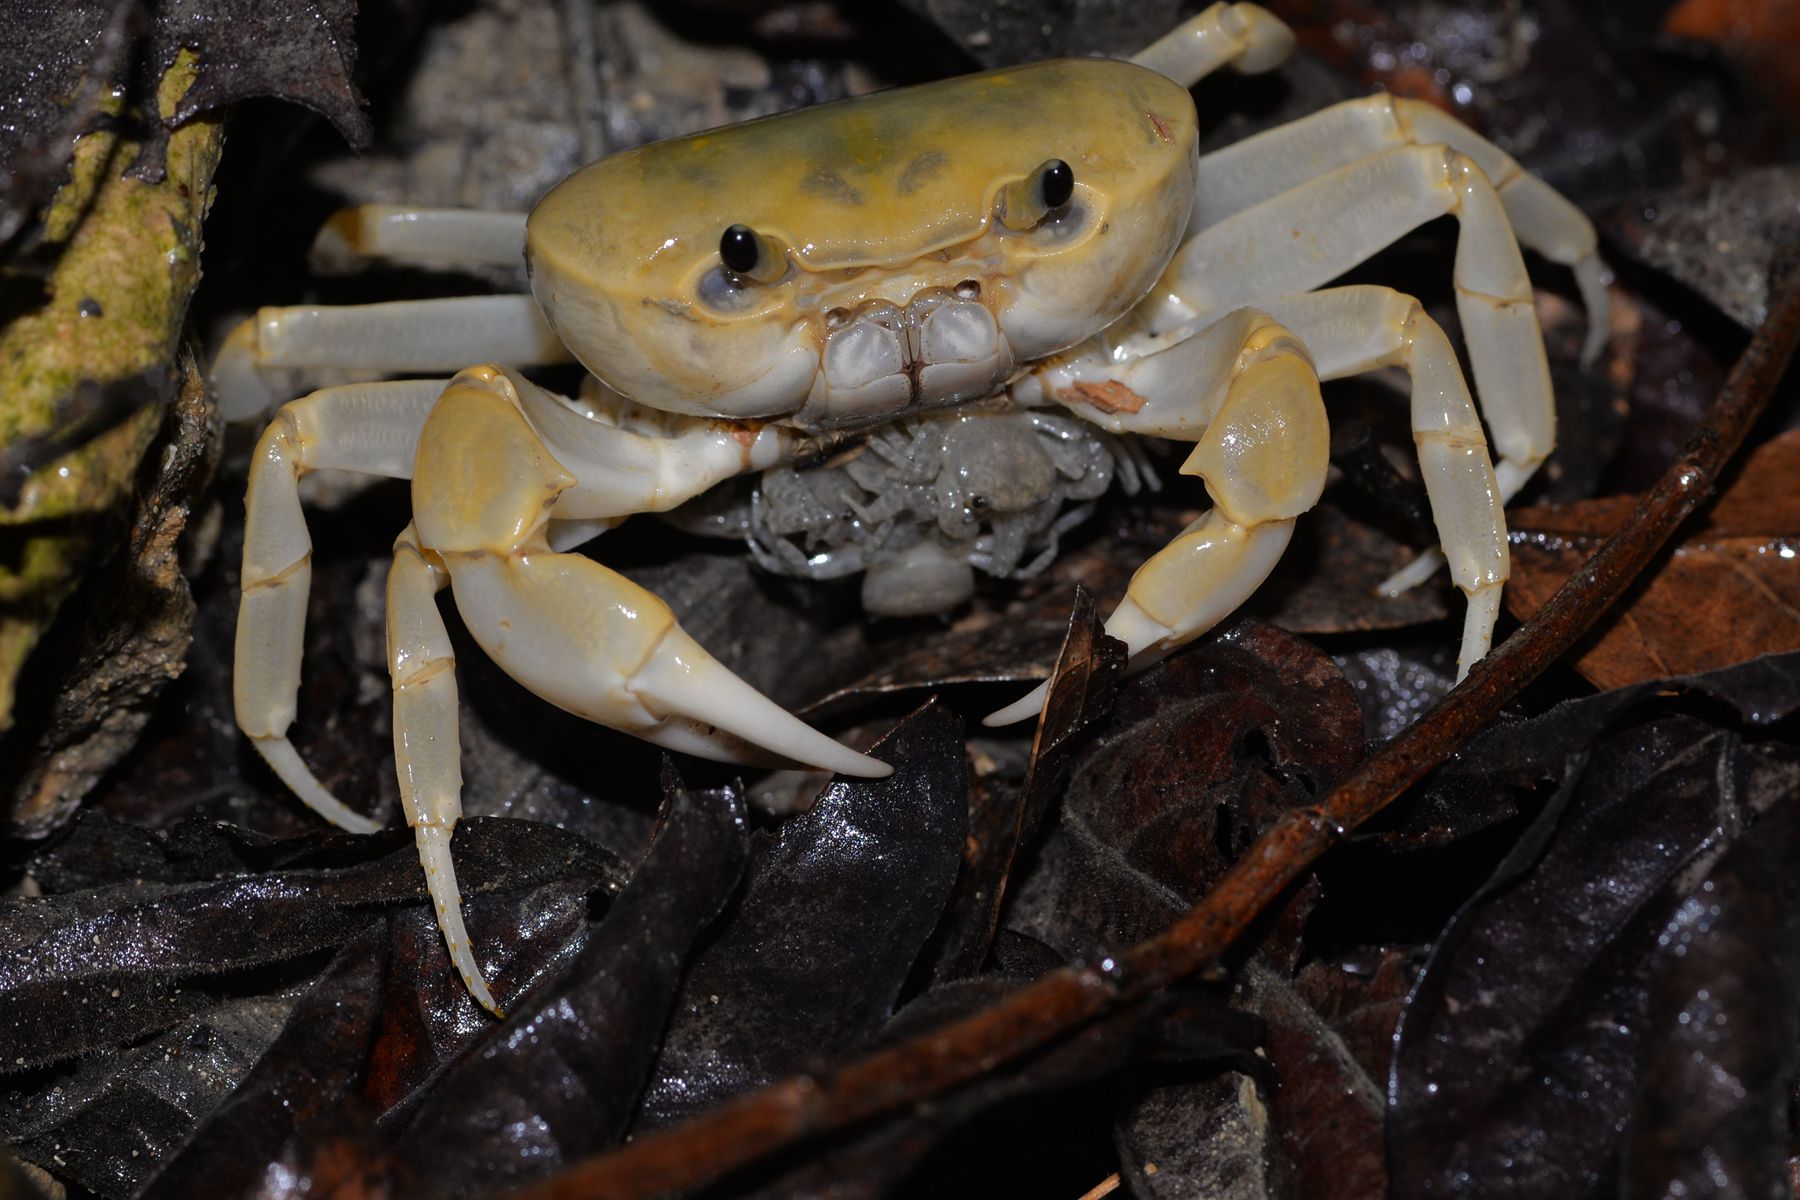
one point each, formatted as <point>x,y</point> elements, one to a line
<point>751,255</point>
<point>1024,203</point>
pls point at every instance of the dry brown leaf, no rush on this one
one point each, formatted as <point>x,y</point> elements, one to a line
<point>1728,591</point>
<point>1762,34</point>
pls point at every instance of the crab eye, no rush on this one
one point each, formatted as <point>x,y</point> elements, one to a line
<point>748,253</point>
<point>738,249</point>
<point>1024,203</point>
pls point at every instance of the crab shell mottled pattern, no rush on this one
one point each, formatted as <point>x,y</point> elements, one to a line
<point>877,202</point>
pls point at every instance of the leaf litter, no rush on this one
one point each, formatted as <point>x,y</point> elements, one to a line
<point>283,1013</point>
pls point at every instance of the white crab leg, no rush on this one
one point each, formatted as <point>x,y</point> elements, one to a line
<point>427,744</point>
<point>430,237</point>
<point>400,336</point>
<point>1246,173</point>
<point>1350,330</point>
<point>1310,234</point>
<point>368,427</point>
<point>1262,455</point>
<point>578,634</point>
<point>1245,37</point>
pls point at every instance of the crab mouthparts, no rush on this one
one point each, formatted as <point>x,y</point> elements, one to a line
<point>939,348</point>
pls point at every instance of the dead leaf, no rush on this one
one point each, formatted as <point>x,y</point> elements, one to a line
<point>297,50</point>
<point>64,63</point>
<point>1763,35</point>
<point>1083,685</point>
<point>1717,236</point>
<point>1727,592</point>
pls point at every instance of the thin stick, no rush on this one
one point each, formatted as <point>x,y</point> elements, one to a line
<point>709,1146</point>
<point>1104,1188</point>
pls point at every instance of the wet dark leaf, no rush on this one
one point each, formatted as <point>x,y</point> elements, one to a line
<point>1198,756</point>
<point>1358,995</point>
<point>1001,32</point>
<point>1678,355</point>
<point>298,50</point>
<point>428,1019</point>
<point>1328,580</point>
<point>1395,684</point>
<point>305,1083</point>
<point>60,54</point>
<point>563,1076</point>
<point>1328,1109</point>
<point>1207,1140</point>
<point>962,1127</point>
<point>95,968</point>
<point>109,1119</point>
<point>1505,770</point>
<point>1518,1053</point>
<point>810,964</point>
<point>376,1029</point>
<point>1004,821</point>
<point>982,647</point>
<point>64,57</point>
<point>1721,1035</point>
<point>1631,117</point>
<point>1196,1120</point>
<point>1302,1116</point>
<point>1719,236</point>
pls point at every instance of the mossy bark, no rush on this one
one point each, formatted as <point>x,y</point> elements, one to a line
<point>127,259</point>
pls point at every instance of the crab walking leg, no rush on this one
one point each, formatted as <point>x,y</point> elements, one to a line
<point>1263,457</point>
<point>372,428</point>
<point>427,745</point>
<point>1351,330</point>
<point>400,336</point>
<point>1309,235</point>
<point>1248,172</point>
<point>1245,37</point>
<point>429,237</point>
<point>578,634</point>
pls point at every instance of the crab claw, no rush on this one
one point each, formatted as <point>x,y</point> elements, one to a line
<point>592,642</point>
<point>710,712</point>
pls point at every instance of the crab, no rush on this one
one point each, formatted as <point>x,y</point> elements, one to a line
<point>1032,245</point>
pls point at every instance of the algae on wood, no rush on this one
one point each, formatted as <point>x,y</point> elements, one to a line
<point>86,377</point>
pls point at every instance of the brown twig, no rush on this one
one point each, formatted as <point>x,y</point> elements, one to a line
<point>755,1125</point>
<point>1104,1188</point>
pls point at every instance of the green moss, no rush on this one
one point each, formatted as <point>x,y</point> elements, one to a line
<point>128,250</point>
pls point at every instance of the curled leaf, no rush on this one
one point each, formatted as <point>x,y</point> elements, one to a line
<point>562,1077</point>
<point>848,891</point>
